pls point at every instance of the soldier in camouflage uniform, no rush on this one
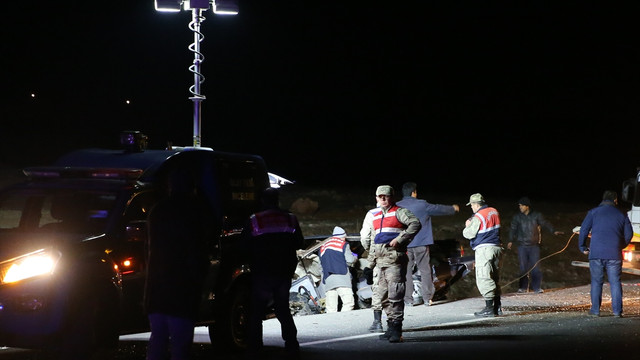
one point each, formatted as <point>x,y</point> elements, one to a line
<point>385,233</point>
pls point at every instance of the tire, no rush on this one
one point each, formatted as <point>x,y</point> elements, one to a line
<point>230,331</point>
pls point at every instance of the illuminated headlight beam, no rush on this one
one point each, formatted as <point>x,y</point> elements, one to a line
<point>37,263</point>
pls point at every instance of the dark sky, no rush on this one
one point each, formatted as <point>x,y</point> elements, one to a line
<point>459,96</point>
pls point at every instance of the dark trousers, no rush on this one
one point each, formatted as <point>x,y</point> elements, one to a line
<point>170,334</point>
<point>265,289</point>
<point>419,256</point>
<point>528,256</point>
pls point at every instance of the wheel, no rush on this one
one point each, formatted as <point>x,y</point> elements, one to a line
<point>230,328</point>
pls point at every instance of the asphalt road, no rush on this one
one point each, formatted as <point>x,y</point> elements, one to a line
<point>554,324</point>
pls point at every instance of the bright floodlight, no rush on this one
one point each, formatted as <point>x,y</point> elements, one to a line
<point>225,7</point>
<point>197,7</point>
<point>168,5</point>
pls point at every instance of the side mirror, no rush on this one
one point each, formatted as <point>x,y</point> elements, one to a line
<point>136,231</point>
<point>628,190</point>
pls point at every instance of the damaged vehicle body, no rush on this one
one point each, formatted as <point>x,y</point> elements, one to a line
<point>448,265</point>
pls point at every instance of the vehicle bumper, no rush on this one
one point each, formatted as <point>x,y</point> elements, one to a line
<point>31,313</point>
<point>625,267</point>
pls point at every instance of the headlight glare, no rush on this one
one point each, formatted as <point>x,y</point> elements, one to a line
<point>34,264</point>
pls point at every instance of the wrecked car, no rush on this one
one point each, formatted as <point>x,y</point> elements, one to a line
<point>448,264</point>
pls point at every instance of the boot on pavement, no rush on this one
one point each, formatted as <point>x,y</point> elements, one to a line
<point>387,334</point>
<point>488,310</point>
<point>497,306</point>
<point>395,335</point>
<point>376,326</point>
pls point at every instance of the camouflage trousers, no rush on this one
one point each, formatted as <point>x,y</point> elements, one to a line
<point>388,289</point>
<point>488,263</point>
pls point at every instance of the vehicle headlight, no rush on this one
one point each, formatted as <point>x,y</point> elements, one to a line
<point>37,263</point>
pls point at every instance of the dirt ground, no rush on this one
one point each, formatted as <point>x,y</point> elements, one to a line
<point>319,210</point>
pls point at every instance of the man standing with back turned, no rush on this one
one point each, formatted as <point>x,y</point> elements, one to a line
<point>272,236</point>
<point>385,233</point>
<point>611,232</point>
<point>177,235</point>
<point>483,229</point>
<point>418,248</point>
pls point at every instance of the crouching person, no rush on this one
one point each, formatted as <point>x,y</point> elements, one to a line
<point>336,258</point>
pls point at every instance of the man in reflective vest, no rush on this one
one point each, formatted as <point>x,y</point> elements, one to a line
<point>483,229</point>
<point>386,232</point>
<point>272,237</point>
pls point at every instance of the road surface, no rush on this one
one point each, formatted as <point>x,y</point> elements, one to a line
<point>534,326</point>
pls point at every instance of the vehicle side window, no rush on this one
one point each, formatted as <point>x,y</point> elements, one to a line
<point>76,212</point>
<point>11,209</point>
<point>241,183</point>
<point>136,214</point>
<point>45,213</point>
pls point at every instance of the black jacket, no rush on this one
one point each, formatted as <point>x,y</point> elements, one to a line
<point>177,257</point>
<point>525,229</point>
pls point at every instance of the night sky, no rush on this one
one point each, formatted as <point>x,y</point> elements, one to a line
<point>459,96</point>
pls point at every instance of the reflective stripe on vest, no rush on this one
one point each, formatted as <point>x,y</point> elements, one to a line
<point>272,221</point>
<point>488,233</point>
<point>332,258</point>
<point>334,243</point>
<point>386,226</point>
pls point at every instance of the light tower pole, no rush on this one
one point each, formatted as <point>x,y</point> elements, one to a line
<point>196,96</point>
<point>197,7</point>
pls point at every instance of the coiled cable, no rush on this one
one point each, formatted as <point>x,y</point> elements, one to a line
<point>198,37</point>
<point>540,260</point>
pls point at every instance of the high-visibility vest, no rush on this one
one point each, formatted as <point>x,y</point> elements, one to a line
<point>489,231</point>
<point>386,226</point>
<point>332,258</point>
<point>272,221</point>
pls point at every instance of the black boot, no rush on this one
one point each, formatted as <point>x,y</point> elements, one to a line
<point>387,334</point>
<point>487,311</point>
<point>376,326</point>
<point>497,306</point>
<point>396,332</point>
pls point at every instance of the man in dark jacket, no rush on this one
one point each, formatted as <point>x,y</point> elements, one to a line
<point>176,268</point>
<point>611,232</point>
<point>418,249</point>
<point>272,237</point>
<point>525,232</point>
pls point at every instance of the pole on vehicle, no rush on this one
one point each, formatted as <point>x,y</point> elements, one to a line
<point>196,19</point>
<point>197,7</point>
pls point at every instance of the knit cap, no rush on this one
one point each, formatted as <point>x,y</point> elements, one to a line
<point>339,232</point>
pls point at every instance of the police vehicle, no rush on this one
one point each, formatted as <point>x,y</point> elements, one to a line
<point>72,245</point>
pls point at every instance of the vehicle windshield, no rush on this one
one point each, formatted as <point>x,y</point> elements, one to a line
<point>55,211</point>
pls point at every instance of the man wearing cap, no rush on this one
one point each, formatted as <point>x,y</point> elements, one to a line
<point>483,229</point>
<point>525,232</point>
<point>386,232</point>
<point>336,257</point>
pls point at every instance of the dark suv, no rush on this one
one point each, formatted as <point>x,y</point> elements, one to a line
<point>72,261</point>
